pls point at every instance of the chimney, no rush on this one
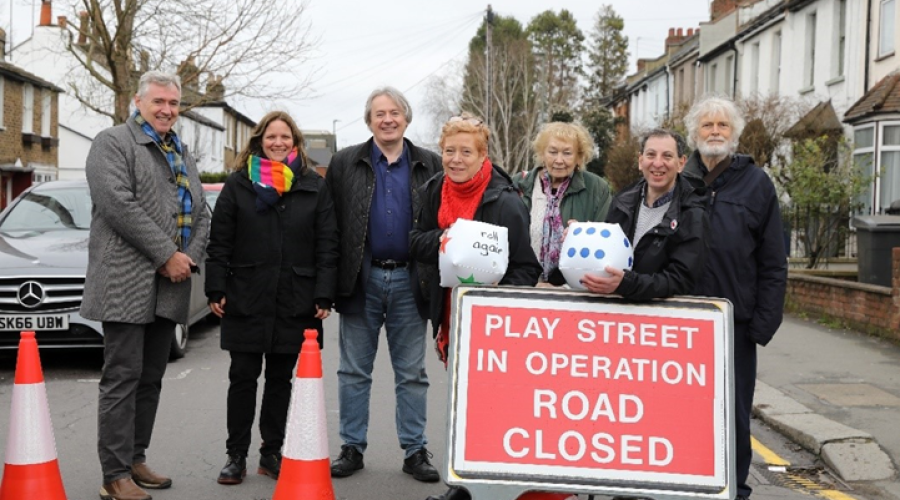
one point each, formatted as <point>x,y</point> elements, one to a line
<point>62,22</point>
<point>82,27</point>
<point>721,8</point>
<point>2,44</point>
<point>215,90</point>
<point>676,37</point>
<point>46,13</point>
<point>640,65</point>
<point>690,32</point>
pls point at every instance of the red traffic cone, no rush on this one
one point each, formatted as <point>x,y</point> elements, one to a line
<point>31,470</point>
<point>305,468</point>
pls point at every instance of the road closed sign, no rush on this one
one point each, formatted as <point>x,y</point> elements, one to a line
<point>568,391</point>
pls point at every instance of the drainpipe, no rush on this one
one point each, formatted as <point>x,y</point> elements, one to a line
<point>868,45</point>
<point>734,73</point>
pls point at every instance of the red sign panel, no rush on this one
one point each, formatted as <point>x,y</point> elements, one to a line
<point>603,391</point>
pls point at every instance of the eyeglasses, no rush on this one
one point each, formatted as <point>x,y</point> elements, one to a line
<point>472,120</point>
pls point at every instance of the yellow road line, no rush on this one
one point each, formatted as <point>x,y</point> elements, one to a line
<point>773,459</point>
<point>768,455</point>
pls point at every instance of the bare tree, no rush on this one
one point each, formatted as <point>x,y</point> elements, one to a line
<point>514,105</point>
<point>258,48</point>
<point>768,118</point>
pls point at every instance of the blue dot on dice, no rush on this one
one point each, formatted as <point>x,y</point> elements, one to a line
<point>572,251</point>
<point>627,243</point>
<point>605,233</point>
<point>585,252</point>
<point>599,254</point>
<point>577,231</point>
<point>591,230</point>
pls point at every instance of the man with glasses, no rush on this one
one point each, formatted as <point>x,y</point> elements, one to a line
<point>375,187</point>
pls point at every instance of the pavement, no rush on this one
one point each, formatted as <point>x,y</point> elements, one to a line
<point>836,393</point>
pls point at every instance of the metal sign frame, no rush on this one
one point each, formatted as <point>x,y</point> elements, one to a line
<point>507,481</point>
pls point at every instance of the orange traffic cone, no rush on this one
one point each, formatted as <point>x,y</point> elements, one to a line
<point>31,469</point>
<point>305,468</point>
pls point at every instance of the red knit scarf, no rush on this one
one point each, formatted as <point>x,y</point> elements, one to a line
<point>460,200</point>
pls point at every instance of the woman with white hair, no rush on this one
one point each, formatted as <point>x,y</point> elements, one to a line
<point>746,261</point>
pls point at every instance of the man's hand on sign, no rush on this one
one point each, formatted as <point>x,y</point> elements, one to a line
<point>599,284</point>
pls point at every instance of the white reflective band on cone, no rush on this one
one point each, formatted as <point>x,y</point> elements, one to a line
<point>306,433</point>
<point>30,432</point>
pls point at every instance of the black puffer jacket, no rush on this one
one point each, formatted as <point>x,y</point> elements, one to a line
<point>272,267</point>
<point>670,257</point>
<point>351,180</point>
<point>500,205</point>
<point>747,263</point>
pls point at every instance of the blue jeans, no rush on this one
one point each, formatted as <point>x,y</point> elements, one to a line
<point>389,303</point>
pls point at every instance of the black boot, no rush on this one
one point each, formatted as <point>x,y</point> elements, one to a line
<point>235,469</point>
<point>453,493</point>
<point>270,465</point>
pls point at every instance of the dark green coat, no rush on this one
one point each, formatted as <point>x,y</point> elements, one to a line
<point>586,199</point>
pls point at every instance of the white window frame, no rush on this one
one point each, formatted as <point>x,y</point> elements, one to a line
<point>869,150</point>
<point>809,70</point>
<point>839,52</point>
<point>886,43</point>
<point>881,148</point>
<point>2,100</point>
<point>775,77</point>
<point>754,67</point>
<point>729,75</point>
<point>27,108</point>
<point>46,101</point>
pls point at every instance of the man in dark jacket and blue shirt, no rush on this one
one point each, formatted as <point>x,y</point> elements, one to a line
<point>746,262</point>
<point>375,186</point>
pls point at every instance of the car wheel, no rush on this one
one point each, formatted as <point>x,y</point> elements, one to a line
<point>179,342</point>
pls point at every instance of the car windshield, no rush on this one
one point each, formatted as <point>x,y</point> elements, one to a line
<point>65,208</point>
<point>211,197</point>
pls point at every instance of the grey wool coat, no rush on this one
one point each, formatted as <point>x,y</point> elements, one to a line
<point>133,228</point>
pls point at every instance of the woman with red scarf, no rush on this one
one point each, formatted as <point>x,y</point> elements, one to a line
<point>470,187</point>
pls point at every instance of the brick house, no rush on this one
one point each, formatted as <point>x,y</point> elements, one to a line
<point>29,129</point>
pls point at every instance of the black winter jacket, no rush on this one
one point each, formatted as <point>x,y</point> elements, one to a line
<point>670,258</point>
<point>500,205</point>
<point>272,266</point>
<point>351,180</point>
<point>747,263</point>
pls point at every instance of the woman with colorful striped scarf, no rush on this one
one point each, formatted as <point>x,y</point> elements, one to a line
<point>271,274</point>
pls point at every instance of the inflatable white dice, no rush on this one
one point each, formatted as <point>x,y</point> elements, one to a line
<point>591,246</point>
<point>474,253</point>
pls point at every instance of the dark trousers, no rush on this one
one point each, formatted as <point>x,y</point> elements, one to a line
<point>744,385</point>
<point>135,358</point>
<point>242,375</point>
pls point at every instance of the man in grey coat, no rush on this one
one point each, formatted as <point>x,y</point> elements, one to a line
<point>148,233</point>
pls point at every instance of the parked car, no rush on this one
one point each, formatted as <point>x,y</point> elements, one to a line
<point>43,261</point>
<point>212,190</point>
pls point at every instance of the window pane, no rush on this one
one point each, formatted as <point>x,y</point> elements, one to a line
<point>890,178</point>
<point>886,34</point>
<point>866,166</point>
<point>864,137</point>
<point>891,135</point>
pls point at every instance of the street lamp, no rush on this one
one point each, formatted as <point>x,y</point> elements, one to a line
<point>334,133</point>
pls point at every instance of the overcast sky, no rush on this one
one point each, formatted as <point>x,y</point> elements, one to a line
<point>365,44</point>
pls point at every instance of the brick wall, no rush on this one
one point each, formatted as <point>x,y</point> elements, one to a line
<point>11,144</point>
<point>868,308</point>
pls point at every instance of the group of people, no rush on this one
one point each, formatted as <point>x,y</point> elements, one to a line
<point>284,247</point>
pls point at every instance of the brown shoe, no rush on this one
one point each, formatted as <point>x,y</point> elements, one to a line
<point>145,478</point>
<point>123,489</point>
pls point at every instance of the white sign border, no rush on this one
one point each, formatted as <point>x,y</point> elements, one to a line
<point>460,470</point>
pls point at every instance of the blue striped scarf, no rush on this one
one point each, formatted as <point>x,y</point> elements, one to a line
<point>171,147</point>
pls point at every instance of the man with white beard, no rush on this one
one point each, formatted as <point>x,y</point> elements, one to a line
<point>746,261</point>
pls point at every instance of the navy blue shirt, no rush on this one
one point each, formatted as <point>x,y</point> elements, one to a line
<point>390,218</point>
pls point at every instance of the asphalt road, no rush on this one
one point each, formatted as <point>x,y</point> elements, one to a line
<point>189,443</point>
